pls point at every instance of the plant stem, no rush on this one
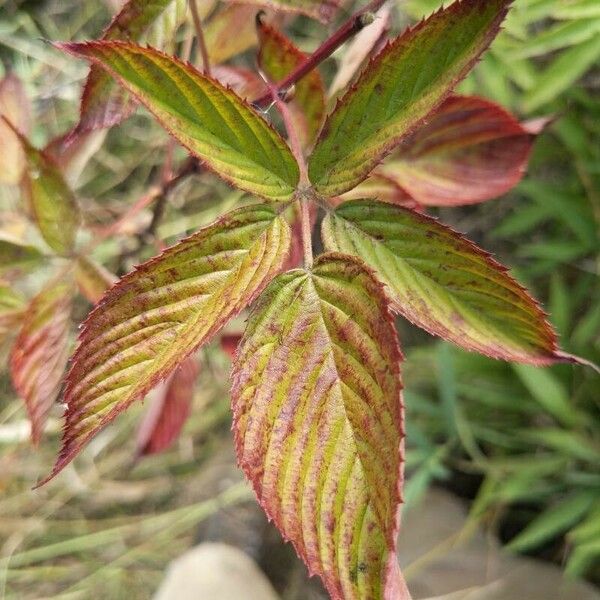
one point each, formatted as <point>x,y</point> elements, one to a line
<point>306,232</point>
<point>200,36</point>
<point>351,27</point>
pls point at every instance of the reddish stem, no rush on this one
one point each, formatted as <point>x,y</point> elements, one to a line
<point>351,27</point>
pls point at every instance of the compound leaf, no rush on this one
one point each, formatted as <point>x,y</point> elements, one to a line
<point>318,422</point>
<point>210,120</point>
<point>442,282</point>
<point>277,57</point>
<point>157,315</point>
<point>399,88</point>
<point>469,151</point>
<point>40,352</point>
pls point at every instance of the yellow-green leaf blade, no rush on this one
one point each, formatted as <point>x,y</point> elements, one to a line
<point>211,121</point>
<point>442,282</point>
<point>154,317</point>
<point>318,422</point>
<point>51,202</point>
<point>400,87</point>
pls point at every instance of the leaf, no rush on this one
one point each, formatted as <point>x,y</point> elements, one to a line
<point>156,316</point>
<point>104,104</point>
<point>14,255</point>
<point>229,343</point>
<point>51,203</point>
<point>554,521</point>
<point>442,282</point>
<point>92,278</point>
<point>11,308</point>
<point>366,42</point>
<point>323,10</point>
<point>230,32</point>
<point>16,108</point>
<point>318,425</point>
<point>277,57</point>
<point>211,121</point>
<point>167,416</point>
<point>469,151</point>
<point>408,79</point>
<point>40,352</point>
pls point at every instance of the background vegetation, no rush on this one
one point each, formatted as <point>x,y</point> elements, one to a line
<point>522,443</point>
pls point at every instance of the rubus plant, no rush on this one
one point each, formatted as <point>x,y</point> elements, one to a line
<point>316,379</point>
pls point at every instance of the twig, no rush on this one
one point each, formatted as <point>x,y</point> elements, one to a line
<point>351,27</point>
<point>200,36</point>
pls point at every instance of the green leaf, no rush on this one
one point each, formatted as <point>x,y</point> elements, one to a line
<point>14,255</point>
<point>156,316</point>
<point>104,104</point>
<point>11,308</point>
<point>442,282</point>
<point>318,422</point>
<point>210,120</point>
<point>576,9</point>
<point>553,522</point>
<point>400,87</point>
<point>51,203</point>
<point>40,352</point>
<point>277,57</point>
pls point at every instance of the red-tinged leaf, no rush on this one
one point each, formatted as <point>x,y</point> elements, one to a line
<point>16,108</point>
<point>230,32</point>
<point>156,316</point>
<point>92,278</point>
<point>51,203</point>
<point>470,150</point>
<point>318,423</point>
<point>40,352</point>
<point>104,104</point>
<point>229,343</point>
<point>210,120</point>
<point>405,82</point>
<point>381,187</point>
<point>442,282</point>
<point>323,10</point>
<point>364,44</point>
<point>243,82</point>
<point>277,57</point>
<point>169,412</point>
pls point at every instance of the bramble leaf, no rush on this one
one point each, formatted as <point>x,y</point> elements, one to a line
<point>167,416</point>
<point>12,306</point>
<point>40,352</point>
<point>16,108</point>
<point>14,255</point>
<point>470,150</point>
<point>51,203</point>
<point>211,121</point>
<point>157,315</point>
<point>317,404</point>
<point>104,104</point>
<point>399,88</point>
<point>442,282</point>
<point>277,57</point>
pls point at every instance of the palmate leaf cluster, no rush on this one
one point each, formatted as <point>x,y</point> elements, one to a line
<point>317,392</point>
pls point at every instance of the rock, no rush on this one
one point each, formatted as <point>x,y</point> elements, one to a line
<point>215,572</point>
<point>442,552</point>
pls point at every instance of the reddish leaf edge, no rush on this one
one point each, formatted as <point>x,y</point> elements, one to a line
<point>554,356</point>
<point>74,49</point>
<point>405,38</point>
<point>67,454</point>
<point>393,575</point>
